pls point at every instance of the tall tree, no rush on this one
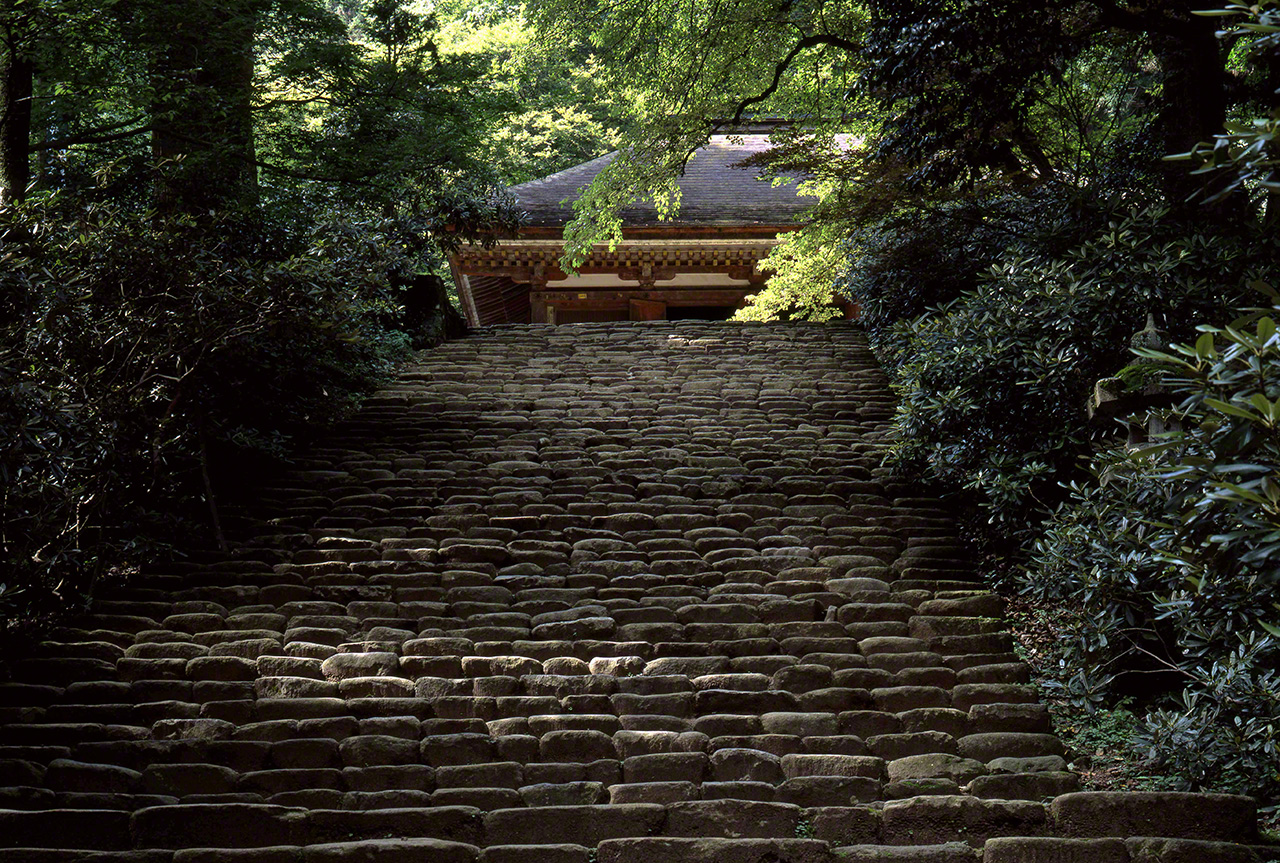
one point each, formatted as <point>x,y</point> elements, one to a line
<point>202,121</point>
<point>17,70</point>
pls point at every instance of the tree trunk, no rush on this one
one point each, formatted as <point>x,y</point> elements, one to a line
<point>16,74</point>
<point>1193,106</point>
<point>1271,207</point>
<point>429,318</point>
<point>203,125</point>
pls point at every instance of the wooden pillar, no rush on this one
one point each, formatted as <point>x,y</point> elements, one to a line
<point>468,301</point>
<point>644,309</point>
<point>540,311</point>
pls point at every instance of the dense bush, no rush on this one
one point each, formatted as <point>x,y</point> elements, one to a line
<point>143,361</point>
<point>923,257</point>
<point>994,384</point>
<point>1171,563</point>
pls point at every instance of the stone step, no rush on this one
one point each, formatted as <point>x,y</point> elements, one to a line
<point>567,594</point>
<point>1218,817</point>
<point>899,828</point>
<point>948,852</point>
<point>708,850</point>
<point>1122,850</point>
<point>392,850</point>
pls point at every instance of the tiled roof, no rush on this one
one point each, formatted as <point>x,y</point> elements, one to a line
<point>713,191</point>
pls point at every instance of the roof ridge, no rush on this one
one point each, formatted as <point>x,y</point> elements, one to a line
<point>544,180</point>
<point>716,189</point>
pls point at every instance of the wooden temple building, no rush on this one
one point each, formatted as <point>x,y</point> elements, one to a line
<point>700,264</point>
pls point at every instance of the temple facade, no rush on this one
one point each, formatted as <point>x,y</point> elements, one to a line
<point>701,264</point>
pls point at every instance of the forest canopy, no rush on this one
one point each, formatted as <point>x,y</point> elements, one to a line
<point>944,98</point>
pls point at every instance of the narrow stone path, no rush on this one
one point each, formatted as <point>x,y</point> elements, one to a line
<point>615,593</point>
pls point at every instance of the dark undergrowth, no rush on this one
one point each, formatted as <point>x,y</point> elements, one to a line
<point>1105,744</point>
<point>148,367</point>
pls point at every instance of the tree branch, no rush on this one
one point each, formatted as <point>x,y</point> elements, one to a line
<point>1113,15</point>
<point>88,138</point>
<point>267,166</point>
<point>271,103</point>
<point>782,67</point>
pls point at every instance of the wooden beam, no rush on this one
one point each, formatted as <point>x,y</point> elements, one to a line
<point>610,305</point>
<point>654,274</point>
<point>670,296</point>
<point>664,232</point>
<point>518,261</point>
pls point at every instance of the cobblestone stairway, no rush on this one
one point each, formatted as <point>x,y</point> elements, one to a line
<point>612,593</point>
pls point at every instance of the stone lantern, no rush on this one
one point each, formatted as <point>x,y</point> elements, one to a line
<point>1121,397</point>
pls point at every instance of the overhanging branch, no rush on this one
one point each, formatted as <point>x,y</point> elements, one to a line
<point>1112,15</point>
<point>96,137</point>
<point>782,67</point>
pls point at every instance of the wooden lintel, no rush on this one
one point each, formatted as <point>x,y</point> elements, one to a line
<point>691,296</point>
<point>667,231</point>
<point>589,305</point>
<point>654,274</point>
<point>524,275</point>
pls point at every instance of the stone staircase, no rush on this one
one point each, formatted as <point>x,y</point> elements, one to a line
<point>611,593</point>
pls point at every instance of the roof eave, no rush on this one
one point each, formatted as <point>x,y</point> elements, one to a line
<point>709,229</point>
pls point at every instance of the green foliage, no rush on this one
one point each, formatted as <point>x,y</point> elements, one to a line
<point>993,384</point>
<point>1172,563</point>
<point>1248,152</point>
<point>925,256</point>
<point>140,354</point>
<point>553,109</point>
<point>686,67</point>
<point>370,112</point>
<point>805,263</point>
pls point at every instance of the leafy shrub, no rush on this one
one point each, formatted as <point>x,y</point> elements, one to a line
<point>145,360</point>
<point>923,257</point>
<point>1172,561</point>
<point>993,385</point>
<point>804,264</point>
<point>1243,159</point>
